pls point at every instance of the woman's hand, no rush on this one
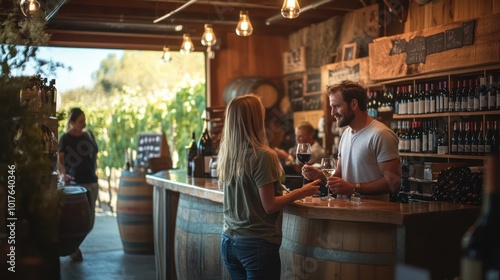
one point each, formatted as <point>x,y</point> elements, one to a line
<point>311,173</point>
<point>310,189</point>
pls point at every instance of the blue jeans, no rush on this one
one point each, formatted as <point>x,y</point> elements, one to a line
<point>250,258</point>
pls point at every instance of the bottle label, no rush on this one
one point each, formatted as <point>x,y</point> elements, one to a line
<point>207,165</point>
<point>442,150</point>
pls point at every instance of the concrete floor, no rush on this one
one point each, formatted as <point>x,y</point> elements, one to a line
<point>103,256</point>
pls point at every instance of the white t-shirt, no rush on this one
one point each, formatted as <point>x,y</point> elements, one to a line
<point>361,152</point>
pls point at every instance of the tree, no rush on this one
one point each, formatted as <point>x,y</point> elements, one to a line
<point>142,97</point>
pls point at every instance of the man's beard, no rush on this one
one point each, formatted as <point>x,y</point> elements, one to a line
<point>345,119</point>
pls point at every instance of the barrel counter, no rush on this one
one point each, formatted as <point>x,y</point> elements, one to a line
<point>340,240</point>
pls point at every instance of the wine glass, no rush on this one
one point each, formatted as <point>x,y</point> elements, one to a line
<point>328,169</point>
<point>303,153</point>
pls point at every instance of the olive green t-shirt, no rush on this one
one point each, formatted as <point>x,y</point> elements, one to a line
<point>243,211</point>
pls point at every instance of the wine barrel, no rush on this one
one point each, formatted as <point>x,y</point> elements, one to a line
<point>198,231</point>
<point>75,222</point>
<point>313,248</point>
<point>258,86</point>
<point>134,213</point>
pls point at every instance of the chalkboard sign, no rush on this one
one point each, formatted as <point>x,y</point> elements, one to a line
<point>435,43</point>
<point>468,32</point>
<point>149,146</point>
<point>313,82</point>
<point>416,51</point>
<point>454,38</point>
<point>312,102</point>
<point>398,46</point>
<point>295,88</point>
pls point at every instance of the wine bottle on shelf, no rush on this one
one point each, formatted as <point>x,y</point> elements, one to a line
<point>427,100</point>
<point>458,97</point>
<point>451,98</point>
<point>465,97</point>
<point>474,141</point>
<point>495,139</point>
<point>480,140</point>
<point>433,99</point>
<point>454,139</point>
<point>483,95</point>
<point>446,97</point>
<point>480,244</point>
<point>421,96</point>
<point>425,138</point>
<point>205,149</point>
<point>442,148</point>
<point>192,151</point>
<point>432,139</point>
<point>488,138</point>
<point>461,139</point>
<point>468,138</point>
<point>470,96</point>
<point>410,102</point>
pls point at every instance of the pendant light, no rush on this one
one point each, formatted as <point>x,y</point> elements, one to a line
<point>290,9</point>
<point>187,45</point>
<point>208,38</point>
<point>166,54</point>
<point>244,27</point>
<point>29,7</point>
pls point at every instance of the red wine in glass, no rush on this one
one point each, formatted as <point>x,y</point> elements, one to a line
<point>304,158</point>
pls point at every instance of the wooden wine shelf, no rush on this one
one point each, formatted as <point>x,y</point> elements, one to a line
<point>442,156</point>
<point>446,114</point>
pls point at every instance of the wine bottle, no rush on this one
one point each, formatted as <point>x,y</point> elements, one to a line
<point>205,149</point>
<point>410,102</point>
<point>483,95</point>
<point>451,98</point>
<point>492,95</point>
<point>442,148</point>
<point>454,139</point>
<point>480,244</point>
<point>192,151</point>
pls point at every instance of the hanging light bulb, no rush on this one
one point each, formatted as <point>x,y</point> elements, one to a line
<point>166,54</point>
<point>187,45</point>
<point>244,27</point>
<point>290,9</point>
<point>208,38</point>
<point>29,7</point>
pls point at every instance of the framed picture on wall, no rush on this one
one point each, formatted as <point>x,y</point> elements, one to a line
<point>349,52</point>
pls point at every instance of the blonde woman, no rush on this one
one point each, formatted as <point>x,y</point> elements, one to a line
<point>77,155</point>
<point>253,200</point>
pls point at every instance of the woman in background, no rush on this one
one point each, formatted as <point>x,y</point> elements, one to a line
<point>250,172</point>
<point>77,155</point>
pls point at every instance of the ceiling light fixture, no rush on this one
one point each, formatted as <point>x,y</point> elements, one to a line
<point>304,9</point>
<point>290,9</point>
<point>187,45</point>
<point>208,38</point>
<point>29,7</point>
<point>244,27</point>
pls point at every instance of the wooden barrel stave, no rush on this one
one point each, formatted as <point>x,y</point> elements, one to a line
<point>134,211</point>
<point>258,86</point>
<point>75,221</point>
<point>312,249</point>
<point>197,239</point>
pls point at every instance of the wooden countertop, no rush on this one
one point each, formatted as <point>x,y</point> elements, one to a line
<point>365,211</point>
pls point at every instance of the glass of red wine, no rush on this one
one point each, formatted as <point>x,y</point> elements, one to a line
<point>303,153</point>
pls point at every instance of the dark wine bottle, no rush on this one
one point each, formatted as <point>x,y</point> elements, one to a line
<point>192,151</point>
<point>205,149</point>
<point>480,244</point>
<point>454,139</point>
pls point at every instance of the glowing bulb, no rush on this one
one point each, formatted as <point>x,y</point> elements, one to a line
<point>208,38</point>
<point>166,54</point>
<point>187,45</point>
<point>29,7</point>
<point>290,9</point>
<point>244,27</point>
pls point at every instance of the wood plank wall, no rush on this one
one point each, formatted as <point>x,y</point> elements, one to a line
<point>251,56</point>
<point>439,12</point>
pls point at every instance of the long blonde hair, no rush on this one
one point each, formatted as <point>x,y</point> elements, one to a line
<point>243,128</point>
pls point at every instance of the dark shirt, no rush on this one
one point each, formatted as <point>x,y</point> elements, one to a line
<point>80,155</point>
